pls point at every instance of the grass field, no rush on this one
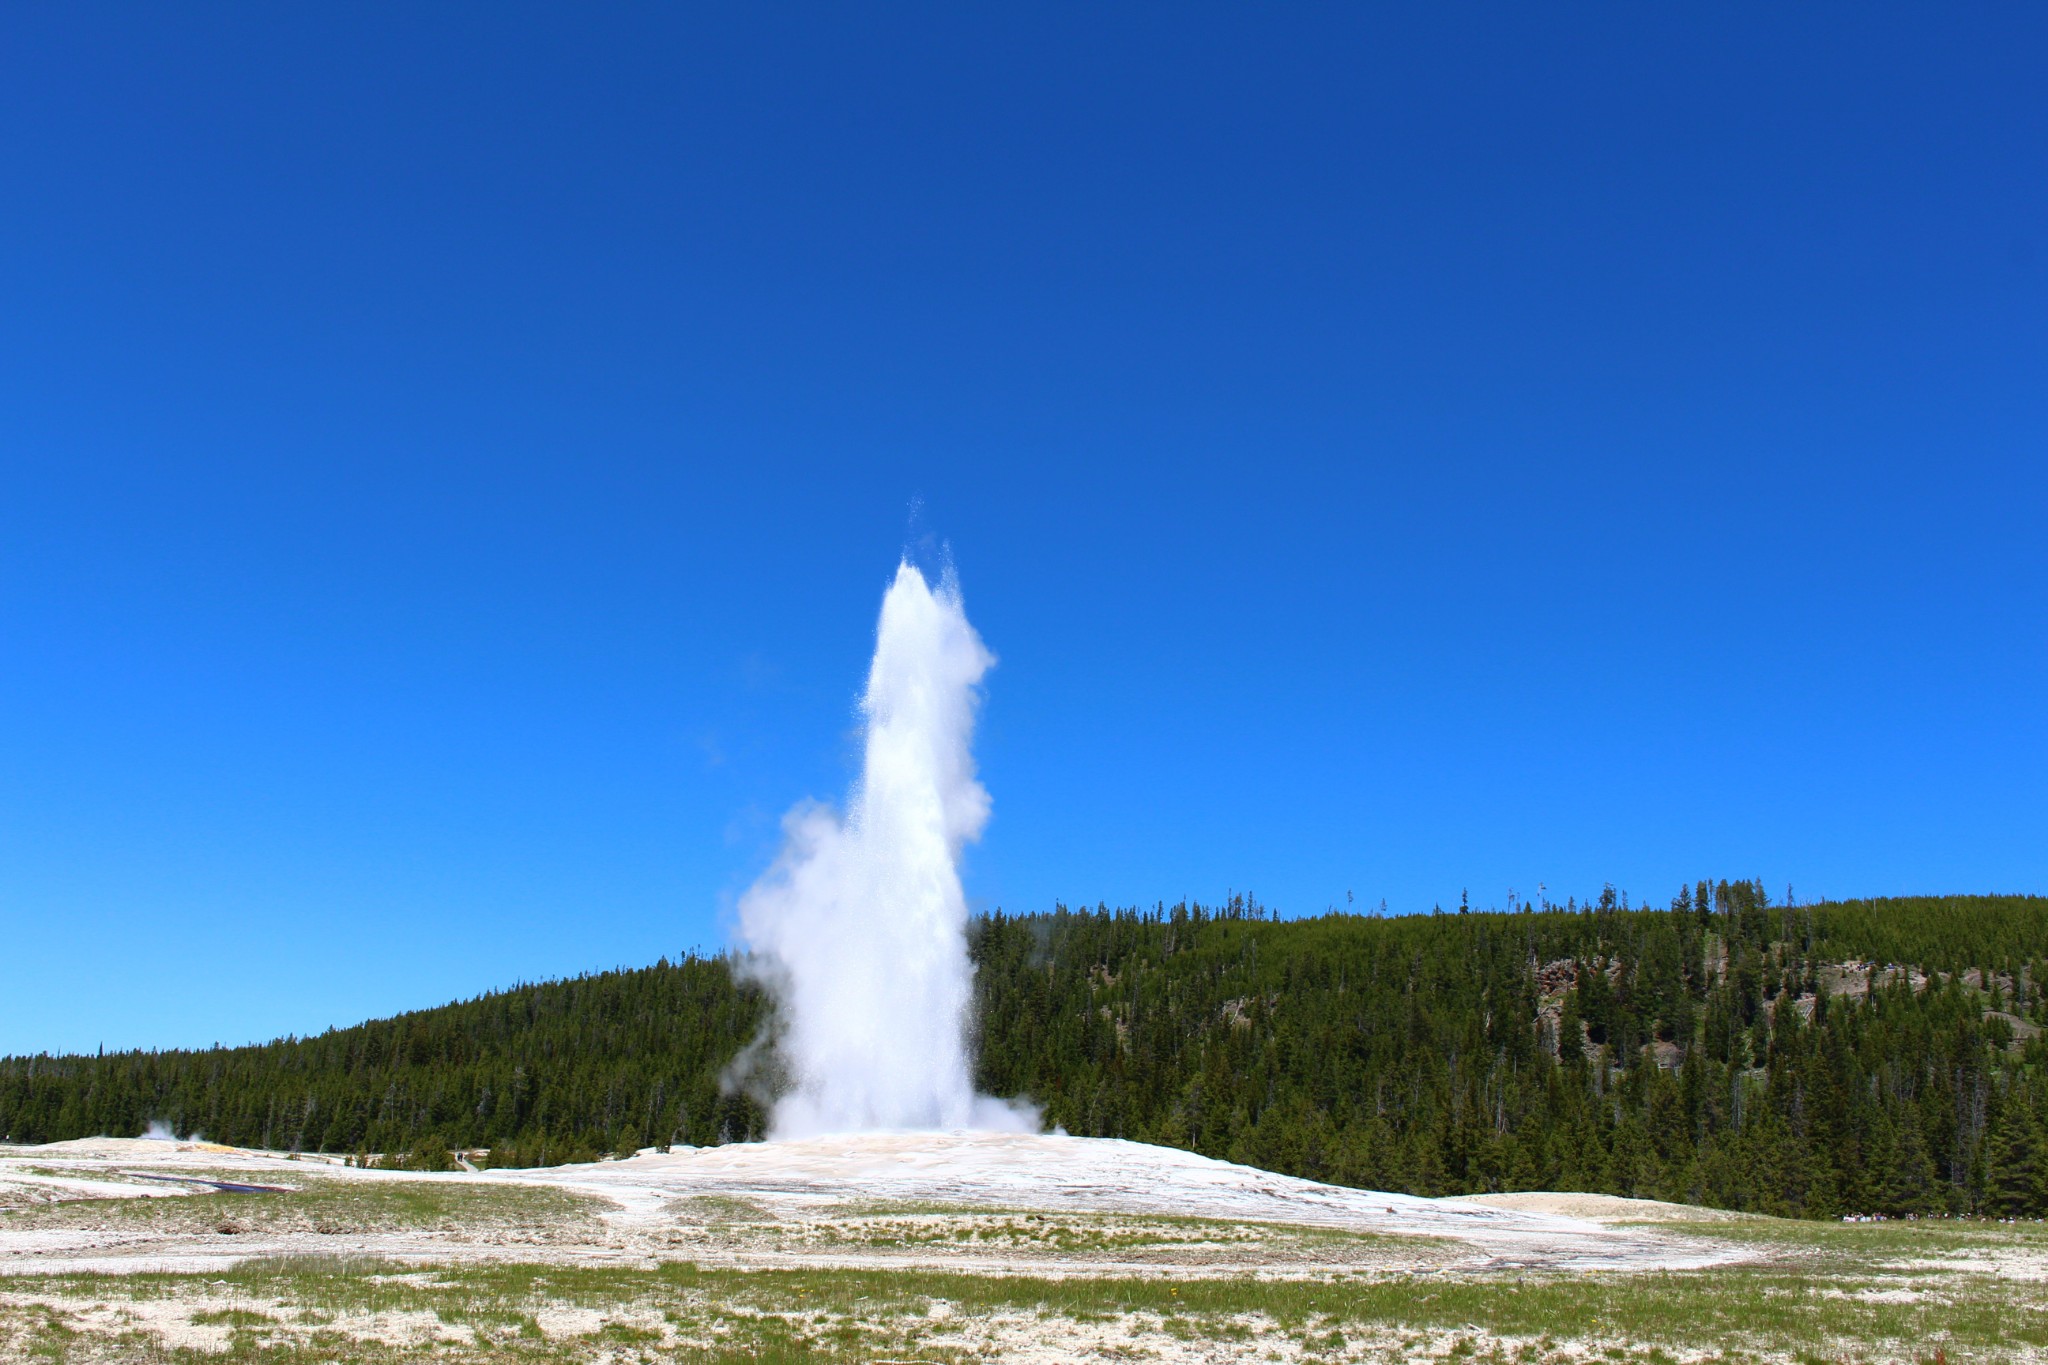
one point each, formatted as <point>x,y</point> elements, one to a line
<point>1912,1292</point>
<point>654,1261</point>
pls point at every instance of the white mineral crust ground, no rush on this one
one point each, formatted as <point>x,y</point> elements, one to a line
<point>817,1183</point>
<point>1057,1173</point>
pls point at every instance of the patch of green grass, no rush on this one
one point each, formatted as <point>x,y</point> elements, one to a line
<point>326,1204</point>
<point>232,1317</point>
<point>717,1208</point>
<point>73,1173</point>
<point>1848,1247</point>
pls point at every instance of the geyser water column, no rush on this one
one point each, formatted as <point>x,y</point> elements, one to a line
<point>859,930</point>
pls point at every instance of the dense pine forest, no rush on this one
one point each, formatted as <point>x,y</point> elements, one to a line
<point>1882,1057</point>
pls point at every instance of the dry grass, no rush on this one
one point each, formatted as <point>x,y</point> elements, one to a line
<point>1827,1293</point>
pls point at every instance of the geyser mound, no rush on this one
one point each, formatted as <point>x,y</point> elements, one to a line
<point>859,929</point>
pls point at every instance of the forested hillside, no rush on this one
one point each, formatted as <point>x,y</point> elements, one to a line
<point>1861,1057</point>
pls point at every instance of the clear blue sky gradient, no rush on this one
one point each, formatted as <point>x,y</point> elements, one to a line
<point>453,458</point>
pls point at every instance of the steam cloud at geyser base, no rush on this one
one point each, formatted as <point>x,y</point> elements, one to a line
<point>859,929</point>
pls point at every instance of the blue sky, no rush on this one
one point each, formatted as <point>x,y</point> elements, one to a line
<point>453,456</point>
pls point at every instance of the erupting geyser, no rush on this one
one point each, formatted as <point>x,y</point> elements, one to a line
<point>859,930</point>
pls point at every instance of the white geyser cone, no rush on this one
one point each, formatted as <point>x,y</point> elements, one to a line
<point>859,930</point>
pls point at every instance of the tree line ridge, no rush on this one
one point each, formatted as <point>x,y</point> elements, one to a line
<point>1862,1057</point>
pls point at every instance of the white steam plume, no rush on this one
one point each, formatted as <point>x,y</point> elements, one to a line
<point>859,930</point>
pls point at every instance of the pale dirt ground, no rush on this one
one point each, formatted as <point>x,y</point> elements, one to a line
<point>869,1200</point>
<point>1601,1208</point>
<point>978,1204</point>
